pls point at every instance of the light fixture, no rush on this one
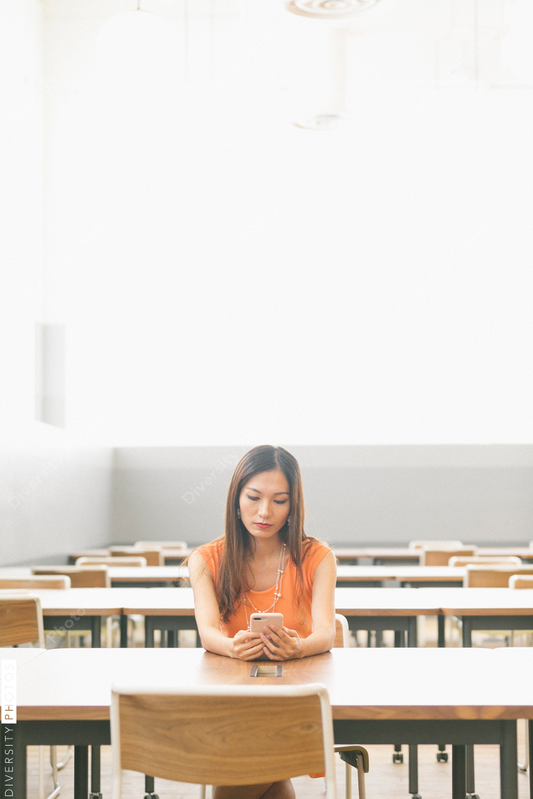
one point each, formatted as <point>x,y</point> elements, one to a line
<point>333,9</point>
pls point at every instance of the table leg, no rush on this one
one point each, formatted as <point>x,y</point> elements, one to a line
<point>441,630</point>
<point>412,637</point>
<point>530,736</point>
<point>95,773</point>
<point>413,771</point>
<point>470,773</point>
<point>148,631</point>
<point>81,772</point>
<point>123,631</point>
<point>467,631</point>
<point>508,759</point>
<point>14,749</point>
<point>96,631</point>
<point>458,772</point>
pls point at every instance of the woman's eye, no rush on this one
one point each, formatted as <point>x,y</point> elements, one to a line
<point>254,499</point>
<point>281,501</point>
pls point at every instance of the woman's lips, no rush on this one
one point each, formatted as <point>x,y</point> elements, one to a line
<point>262,526</point>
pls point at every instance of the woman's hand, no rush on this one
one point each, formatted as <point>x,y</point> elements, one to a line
<point>246,645</point>
<point>280,643</point>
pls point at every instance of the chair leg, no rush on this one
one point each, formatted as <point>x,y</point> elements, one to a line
<point>348,780</point>
<point>361,779</point>
<point>53,761</point>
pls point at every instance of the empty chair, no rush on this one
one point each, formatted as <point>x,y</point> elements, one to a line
<point>162,544</point>
<point>113,561</point>
<point>439,556</point>
<point>464,560</point>
<point>521,581</point>
<point>497,576</point>
<point>153,554</point>
<point>21,622</point>
<point>223,735</point>
<point>96,576</point>
<point>353,755</point>
<point>435,544</point>
<point>61,582</point>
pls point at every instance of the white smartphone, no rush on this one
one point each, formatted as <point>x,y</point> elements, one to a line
<point>260,620</point>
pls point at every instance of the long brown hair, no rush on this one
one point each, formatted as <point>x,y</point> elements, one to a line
<point>239,544</point>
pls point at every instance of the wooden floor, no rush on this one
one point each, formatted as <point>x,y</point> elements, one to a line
<point>384,781</point>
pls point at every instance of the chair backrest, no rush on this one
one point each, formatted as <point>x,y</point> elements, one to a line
<point>521,581</point>
<point>94,576</point>
<point>440,556</point>
<point>153,554</point>
<point>43,581</point>
<point>435,544</point>
<point>492,576</point>
<point>224,734</point>
<point>462,561</point>
<point>162,544</point>
<point>111,561</point>
<point>21,620</point>
<point>342,631</point>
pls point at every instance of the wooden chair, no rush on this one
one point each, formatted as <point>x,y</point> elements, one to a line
<point>435,544</point>
<point>497,576</point>
<point>97,576</point>
<point>27,583</point>
<point>439,556</point>
<point>136,561</point>
<point>463,560</point>
<point>223,735</point>
<point>21,622</point>
<point>353,755</point>
<point>90,576</point>
<point>152,554</point>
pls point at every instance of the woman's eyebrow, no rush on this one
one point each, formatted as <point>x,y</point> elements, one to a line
<point>250,488</point>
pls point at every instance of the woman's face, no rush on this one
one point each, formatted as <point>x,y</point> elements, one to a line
<point>265,504</point>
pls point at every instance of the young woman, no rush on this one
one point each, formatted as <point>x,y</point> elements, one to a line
<point>264,563</point>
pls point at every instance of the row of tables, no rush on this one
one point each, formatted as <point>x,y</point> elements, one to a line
<point>346,574</point>
<point>365,609</point>
<point>376,555</point>
<point>455,696</point>
<point>433,695</point>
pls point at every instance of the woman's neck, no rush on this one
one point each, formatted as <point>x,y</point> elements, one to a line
<point>265,549</point>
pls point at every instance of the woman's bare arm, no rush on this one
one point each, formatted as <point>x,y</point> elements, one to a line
<point>245,645</point>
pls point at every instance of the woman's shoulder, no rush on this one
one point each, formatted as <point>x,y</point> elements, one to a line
<point>313,551</point>
<point>312,545</point>
<point>211,551</point>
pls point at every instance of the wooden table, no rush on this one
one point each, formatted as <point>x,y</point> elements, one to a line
<point>411,575</point>
<point>460,696</point>
<point>365,609</point>
<point>171,555</point>
<point>488,609</point>
<point>78,609</point>
<point>382,555</point>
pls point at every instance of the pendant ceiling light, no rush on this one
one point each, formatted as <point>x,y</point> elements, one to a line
<point>333,9</point>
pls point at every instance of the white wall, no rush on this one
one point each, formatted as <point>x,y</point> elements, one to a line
<point>226,277</point>
<point>54,488</point>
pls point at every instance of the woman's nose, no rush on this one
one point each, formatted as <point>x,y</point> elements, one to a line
<point>264,510</point>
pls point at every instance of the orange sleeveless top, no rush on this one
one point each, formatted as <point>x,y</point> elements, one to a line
<point>294,617</point>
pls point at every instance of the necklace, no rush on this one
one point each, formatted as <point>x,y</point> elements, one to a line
<point>277,589</point>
